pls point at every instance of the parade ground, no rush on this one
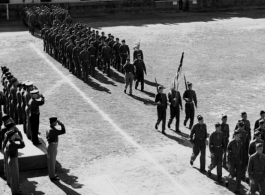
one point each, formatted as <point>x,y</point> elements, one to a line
<point>111,146</point>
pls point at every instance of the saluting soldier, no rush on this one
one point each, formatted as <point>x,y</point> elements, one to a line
<point>234,161</point>
<point>35,102</point>
<point>262,116</point>
<point>256,170</point>
<point>84,59</point>
<point>174,99</point>
<point>124,52</point>
<point>216,147</point>
<point>129,74</point>
<point>140,70</point>
<point>93,51</point>
<point>161,102</point>
<point>226,135</point>
<point>253,143</point>
<point>198,137</point>
<point>189,96</point>
<point>52,139</point>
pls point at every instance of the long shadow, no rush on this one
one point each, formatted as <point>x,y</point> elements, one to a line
<point>31,188</point>
<point>97,86</point>
<point>64,188</point>
<point>150,94</point>
<point>101,78</point>
<point>117,76</point>
<point>153,84</point>
<point>144,100</point>
<point>182,134</point>
<point>182,140</point>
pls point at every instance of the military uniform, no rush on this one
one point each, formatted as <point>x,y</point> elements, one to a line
<point>136,53</point>
<point>175,104</point>
<point>129,74</point>
<point>93,52</point>
<point>124,52</point>
<point>226,135</point>
<point>84,59</point>
<point>198,138</point>
<point>76,53</point>
<point>116,51</point>
<point>161,100</point>
<point>106,55</point>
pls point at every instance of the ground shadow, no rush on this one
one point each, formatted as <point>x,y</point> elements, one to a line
<point>31,188</point>
<point>64,188</point>
<point>97,86</point>
<point>116,76</point>
<point>153,84</point>
<point>102,78</point>
<point>182,134</point>
<point>150,94</point>
<point>181,140</point>
<point>144,100</point>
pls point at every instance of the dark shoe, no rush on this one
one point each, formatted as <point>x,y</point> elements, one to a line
<point>185,122</point>
<point>237,192</point>
<point>191,162</point>
<point>209,173</point>
<point>156,127</point>
<point>203,171</point>
<point>37,143</point>
<point>226,184</point>
<point>56,178</point>
<point>130,94</point>
<point>163,132</point>
<point>124,90</point>
<point>168,125</point>
<point>219,181</point>
<point>178,131</point>
<point>142,89</point>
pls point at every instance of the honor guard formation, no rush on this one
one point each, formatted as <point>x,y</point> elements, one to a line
<point>81,49</point>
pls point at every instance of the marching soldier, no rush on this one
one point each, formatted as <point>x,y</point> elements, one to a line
<point>189,96</point>
<point>198,137</point>
<point>34,114</point>
<point>161,102</point>
<point>116,51</point>
<point>175,103</point>
<point>92,50</point>
<point>226,135</point>
<point>27,96</point>
<point>84,59</point>
<point>253,143</point>
<point>216,146</point>
<point>129,74</point>
<point>76,53</point>
<point>52,138</point>
<point>262,116</point>
<point>19,103</point>
<point>256,170</point>
<point>234,161</point>
<point>106,55</point>
<point>124,52</point>
<point>140,70</point>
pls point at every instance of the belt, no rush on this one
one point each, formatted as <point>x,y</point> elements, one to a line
<point>53,143</point>
<point>218,146</point>
<point>35,113</point>
<point>189,102</point>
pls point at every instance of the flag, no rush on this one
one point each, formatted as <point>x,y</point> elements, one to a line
<point>177,77</point>
<point>137,46</point>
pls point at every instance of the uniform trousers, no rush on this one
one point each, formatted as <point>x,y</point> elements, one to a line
<point>85,68</point>
<point>196,150</point>
<point>128,80</point>
<point>123,60</point>
<point>51,158</point>
<point>24,118</point>
<point>161,116</point>
<point>28,125</point>
<point>189,110</point>
<point>235,171</point>
<point>257,183</point>
<point>13,111</point>
<point>139,78</point>
<point>77,68</point>
<point>216,161</point>
<point>117,61</point>
<point>13,174</point>
<point>93,65</point>
<point>6,171</point>
<point>174,113</point>
<point>226,140</point>
<point>35,121</point>
<point>19,114</point>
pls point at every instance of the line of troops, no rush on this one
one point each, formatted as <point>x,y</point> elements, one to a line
<point>243,157</point>
<point>20,103</point>
<point>80,49</point>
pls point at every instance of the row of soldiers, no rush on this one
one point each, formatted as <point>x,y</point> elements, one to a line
<point>80,48</point>
<point>243,157</point>
<point>21,100</point>
<point>38,16</point>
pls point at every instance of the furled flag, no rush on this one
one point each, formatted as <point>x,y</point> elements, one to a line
<point>175,82</point>
<point>137,46</point>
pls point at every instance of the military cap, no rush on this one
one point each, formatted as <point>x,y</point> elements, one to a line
<point>217,124</point>
<point>10,76</point>
<point>53,119</point>
<point>5,70</point>
<point>3,67</point>
<point>24,83</point>
<point>117,39</point>
<point>8,73</point>
<point>243,113</point>
<point>241,123</point>
<point>112,36</point>
<point>19,84</point>
<point>35,91</point>
<point>14,79</point>
<point>199,117</point>
<point>189,84</point>
<point>262,112</point>
<point>257,133</point>
<point>29,83</point>
<point>236,132</point>
<point>102,32</point>
<point>161,87</point>
<point>224,116</point>
<point>259,145</point>
<point>123,41</point>
<point>5,117</point>
<point>109,34</point>
<point>261,121</point>
<point>84,45</point>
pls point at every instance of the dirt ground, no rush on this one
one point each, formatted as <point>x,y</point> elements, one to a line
<point>111,146</point>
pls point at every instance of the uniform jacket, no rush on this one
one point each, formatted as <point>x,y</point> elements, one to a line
<point>177,102</point>
<point>256,166</point>
<point>191,95</point>
<point>162,98</point>
<point>252,146</point>
<point>198,134</point>
<point>216,142</point>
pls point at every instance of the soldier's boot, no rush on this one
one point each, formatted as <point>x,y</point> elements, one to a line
<point>185,122</point>
<point>168,124</point>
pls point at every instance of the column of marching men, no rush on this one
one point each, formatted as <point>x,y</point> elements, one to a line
<point>81,49</point>
<point>19,105</point>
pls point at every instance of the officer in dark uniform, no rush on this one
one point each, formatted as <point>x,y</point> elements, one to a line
<point>198,138</point>
<point>92,50</point>
<point>161,102</point>
<point>226,135</point>
<point>124,52</point>
<point>175,103</point>
<point>84,59</point>
<point>234,161</point>
<point>116,51</point>
<point>262,116</point>
<point>106,55</point>
<point>189,96</point>
<point>76,53</point>
<point>216,147</point>
<point>137,51</point>
<point>256,170</point>
<point>140,70</point>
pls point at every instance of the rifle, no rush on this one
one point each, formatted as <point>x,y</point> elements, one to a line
<point>156,85</point>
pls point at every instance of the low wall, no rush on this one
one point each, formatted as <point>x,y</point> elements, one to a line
<point>83,9</point>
